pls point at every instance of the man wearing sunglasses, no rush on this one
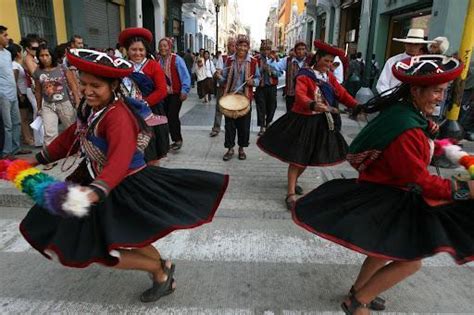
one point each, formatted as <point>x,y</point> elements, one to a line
<point>10,112</point>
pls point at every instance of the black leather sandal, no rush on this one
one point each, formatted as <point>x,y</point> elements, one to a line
<point>299,190</point>
<point>159,289</point>
<point>355,304</point>
<point>228,155</point>
<point>377,304</point>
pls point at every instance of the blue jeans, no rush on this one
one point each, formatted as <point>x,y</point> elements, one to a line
<point>11,124</point>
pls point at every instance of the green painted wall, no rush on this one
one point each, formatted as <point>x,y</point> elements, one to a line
<point>74,13</point>
<point>448,20</point>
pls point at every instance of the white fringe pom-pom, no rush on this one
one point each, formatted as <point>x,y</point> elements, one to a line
<point>454,153</point>
<point>77,203</point>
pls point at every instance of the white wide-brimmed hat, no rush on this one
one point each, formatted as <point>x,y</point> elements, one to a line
<point>414,36</point>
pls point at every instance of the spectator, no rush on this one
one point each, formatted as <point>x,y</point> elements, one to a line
<point>178,87</point>
<point>9,101</point>
<point>374,70</point>
<point>117,53</point>
<point>52,82</point>
<point>354,76</point>
<point>337,69</point>
<point>210,70</point>
<point>24,104</point>
<point>30,43</point>
<point>204,83</point>
<point>440,46</point>
<point>467,105</point>
<point>110,52</point>
<point>415,43</point>
<point>60,52</point>
<point>218,59</point>
<point>189,61</point>
<point>76,41</point>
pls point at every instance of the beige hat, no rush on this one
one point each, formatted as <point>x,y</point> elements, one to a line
<point>443,44</point>
<point>414,36</point>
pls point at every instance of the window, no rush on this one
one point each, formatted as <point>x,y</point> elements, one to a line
<point>37,16</point>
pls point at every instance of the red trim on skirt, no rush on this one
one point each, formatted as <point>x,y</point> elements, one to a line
<point>116,246</point>
<point>447,249</point>
<point>293,163</point>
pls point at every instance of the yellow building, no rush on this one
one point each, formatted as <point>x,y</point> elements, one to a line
<point>98,21</point>
<point>47,19</point>
<point>284,16</point>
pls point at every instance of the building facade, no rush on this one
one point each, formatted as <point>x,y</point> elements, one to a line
<point>199,25</point>
<point>57,20</point>
<point>394,18</point>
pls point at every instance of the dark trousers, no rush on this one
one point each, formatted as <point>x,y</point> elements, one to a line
<point>466,116</point>
<point>265,98</point>
<point>241,126</point>
<point>172,108</point>
<point>290,100</point>
<point>2,134</point>
<point>218,114</point>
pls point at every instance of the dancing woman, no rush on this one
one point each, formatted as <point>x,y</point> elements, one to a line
<point>134,204</point>
<point>309,134</point>
<point>396,212</point>
<point>150,79</point>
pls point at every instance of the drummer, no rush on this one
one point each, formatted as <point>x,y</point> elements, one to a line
<point>239,76</point>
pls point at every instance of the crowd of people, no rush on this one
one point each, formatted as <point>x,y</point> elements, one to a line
<point>119,115</point>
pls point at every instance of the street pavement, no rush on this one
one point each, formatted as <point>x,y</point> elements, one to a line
<point>252,259</point>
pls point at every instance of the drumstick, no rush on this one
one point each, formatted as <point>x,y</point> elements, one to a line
<point>242,85</point>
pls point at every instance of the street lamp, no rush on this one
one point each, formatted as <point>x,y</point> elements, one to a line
<point>217,5</point>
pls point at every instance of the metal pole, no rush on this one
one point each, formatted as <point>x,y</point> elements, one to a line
<point>217,29</point>
<point>450,127</point>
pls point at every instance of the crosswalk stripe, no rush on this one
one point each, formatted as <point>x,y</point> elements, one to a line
<point>31,306</point>
<point>282,242</point>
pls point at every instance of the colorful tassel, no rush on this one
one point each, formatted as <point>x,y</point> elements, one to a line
<point>57,197</point>
<point>20,177</point>
<point>455,154</point>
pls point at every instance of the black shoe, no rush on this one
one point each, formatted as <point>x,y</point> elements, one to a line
<point>176,145</point>
<point>214,133</point>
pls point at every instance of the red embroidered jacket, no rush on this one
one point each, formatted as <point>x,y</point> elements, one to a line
<point>120,129</point>
<point>253,67</point>
<point>305,94</point>
<point>405,161</point>
<point>153,70</point>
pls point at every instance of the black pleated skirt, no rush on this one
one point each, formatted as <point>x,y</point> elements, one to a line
<point>143,208</point>
<point>160,142</point>
<point>304,140</point>
<point>386,222</point>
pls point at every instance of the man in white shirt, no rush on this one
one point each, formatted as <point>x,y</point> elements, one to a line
<point>337,69</point>
<point>10,113</point>
<point>414,43</point>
